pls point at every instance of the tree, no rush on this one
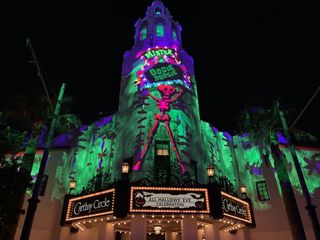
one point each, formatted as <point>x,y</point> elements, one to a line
<point>14,179</point>
<point>34,115</point>
<point>263,125</point>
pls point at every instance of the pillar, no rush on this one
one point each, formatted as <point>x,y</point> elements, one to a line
<point>174,236</point>
<point>211,232</point>
<point>243,234</point>
<point>138,228</point>
<point>106,231</point>
<point>169,235</point>
<point>200,233</point>
<point>189,230</point>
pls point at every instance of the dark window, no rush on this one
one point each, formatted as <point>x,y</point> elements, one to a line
<point>194,170</point>
<point>262,191</point>
<point>162,162</point>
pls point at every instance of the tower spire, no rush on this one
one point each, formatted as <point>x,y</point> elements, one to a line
<point>157,27</point>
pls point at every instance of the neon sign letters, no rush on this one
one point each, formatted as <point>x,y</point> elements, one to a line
<point>235,208</point>
<point>161,66</point>
<point>96,204</point>
<point>156,199</point>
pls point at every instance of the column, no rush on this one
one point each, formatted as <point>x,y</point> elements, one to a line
<point>174,236</point>
<point>211,232</point>
<point>106,231</point>
<point>138,228</point>
<point>169,235</point>
<point>189,230</point>
<point>243,234</point>
<point>200,233</point>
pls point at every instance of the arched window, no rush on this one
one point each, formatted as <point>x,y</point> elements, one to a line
<point>143,34</point>
<point>174,35</point>
<point>160,30</point>
<point>158,11</point>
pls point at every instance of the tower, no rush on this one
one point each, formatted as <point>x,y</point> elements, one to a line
<point>158,123</point>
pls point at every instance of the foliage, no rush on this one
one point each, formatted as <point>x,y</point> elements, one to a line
<point>14,182</point>
<point>10,139</point>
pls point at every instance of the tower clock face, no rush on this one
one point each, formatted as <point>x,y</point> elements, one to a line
<point>162,67</point>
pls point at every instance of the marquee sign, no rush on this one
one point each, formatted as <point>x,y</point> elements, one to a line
<point>235,208</point>
<point>92,205</point>
<point>169,200</point>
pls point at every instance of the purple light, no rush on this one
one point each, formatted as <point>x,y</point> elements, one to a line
<point>281,138</point>
<point>228,136</point>
<point>103,121</point>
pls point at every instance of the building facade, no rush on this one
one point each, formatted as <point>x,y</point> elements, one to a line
<point>157,132</point>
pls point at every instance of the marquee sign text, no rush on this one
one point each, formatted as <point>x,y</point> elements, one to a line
<point>235,208</point>
<point>96,204</point>
<point>161,199</point>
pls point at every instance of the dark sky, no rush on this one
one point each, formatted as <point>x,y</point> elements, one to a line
<point>241,50</point>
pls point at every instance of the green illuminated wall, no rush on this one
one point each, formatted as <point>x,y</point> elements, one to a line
<point>102,147</point>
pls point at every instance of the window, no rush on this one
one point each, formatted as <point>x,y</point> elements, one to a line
<point>262,191</point>
<point>143,34</point>
<point>160,30</point>
<point>193,167</point>
<point>174,35</point>
<point>162,148</point>
<point>158,11</point>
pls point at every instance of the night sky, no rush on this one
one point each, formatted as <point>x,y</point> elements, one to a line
<point>243,50</point>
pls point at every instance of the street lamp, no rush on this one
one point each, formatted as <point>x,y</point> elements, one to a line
<point>72,185</point>
<point>210,172</point>
<point>243,190</point>
<point>125,170</point>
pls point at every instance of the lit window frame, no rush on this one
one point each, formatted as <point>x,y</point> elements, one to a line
<point>162,148</point>
<point>160,30</point>
<point>143,34</point>
<point>262,190</point>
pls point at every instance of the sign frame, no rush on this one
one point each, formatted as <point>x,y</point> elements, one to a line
<point>248,219</point>
<point>67,218</point>
<point>168,190</point>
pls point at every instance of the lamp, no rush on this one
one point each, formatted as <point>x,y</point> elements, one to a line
<point>157,229</point>
<point>72,185</point>
<point>125,168</point>
<point>243,190</point>
<point>210,172</point>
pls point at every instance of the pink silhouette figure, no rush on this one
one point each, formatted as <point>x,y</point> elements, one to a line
<point>163,103</point>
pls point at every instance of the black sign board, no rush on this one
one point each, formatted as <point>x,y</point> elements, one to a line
<point>164,72</point>
<point>235,208</point>
<point>169,200</point>
<point>87,206</point>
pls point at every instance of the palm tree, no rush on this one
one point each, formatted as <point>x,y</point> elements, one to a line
<point>263,125</point>
<point>34,115</point>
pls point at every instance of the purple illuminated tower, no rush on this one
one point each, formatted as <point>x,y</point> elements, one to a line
<point>158,123</point>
